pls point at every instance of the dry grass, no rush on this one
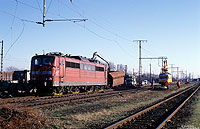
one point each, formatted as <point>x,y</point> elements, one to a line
<point>195,118</point>
<point>91,116</point>
<point>13,118</point>
<point>101,113</point>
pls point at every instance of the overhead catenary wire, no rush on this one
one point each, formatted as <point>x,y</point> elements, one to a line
<point>115,34</point>
<point>18,1</point>
<point>91,31</point>
<point>103,28</point>
<point>77,20</point>
<point>15,40</point>
<point>38,9</point>
<point>93,22</point>
<point>100,26</point>
<point>15,13</point>
<point>25,20</point>
<point>48,6</point>
<point>100,36</point>
<point>39,6</point>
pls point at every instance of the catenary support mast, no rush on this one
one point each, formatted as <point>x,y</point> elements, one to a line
<point>44,6</point>
<point>140,61</point>
<point>1,60</point>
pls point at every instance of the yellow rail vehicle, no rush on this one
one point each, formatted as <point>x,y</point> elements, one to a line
<point>164,77</point>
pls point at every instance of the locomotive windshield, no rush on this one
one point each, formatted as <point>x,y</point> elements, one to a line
<point>38,61</point>
<point>47,61</point>
<point>163,76</point>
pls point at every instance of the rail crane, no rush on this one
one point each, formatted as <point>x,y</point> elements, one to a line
<point>164,76</point>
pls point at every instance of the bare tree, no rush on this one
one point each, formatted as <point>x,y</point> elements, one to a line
<point>11,69</point>
<point>112,66</point>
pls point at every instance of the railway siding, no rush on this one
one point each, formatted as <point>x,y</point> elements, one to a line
<point>105,111</point>
<point>94,112</point>
<point>152,117</point>
<point>188,116</point>
<point>195,118</point>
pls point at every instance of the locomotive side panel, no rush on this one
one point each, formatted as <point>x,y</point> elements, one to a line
<point>79,73</point>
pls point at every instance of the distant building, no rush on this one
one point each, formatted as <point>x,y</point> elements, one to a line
<point>7,76</point>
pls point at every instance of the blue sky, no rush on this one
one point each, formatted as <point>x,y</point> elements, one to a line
<point>172,28</point>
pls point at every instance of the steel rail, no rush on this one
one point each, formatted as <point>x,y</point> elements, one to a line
<point>31,98</point>
<point>71,99</point>
<point>53,103</point>
<point>172,114</point>
<point>115,125</point>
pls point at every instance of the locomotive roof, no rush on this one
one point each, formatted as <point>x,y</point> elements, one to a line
<point>81,58</point>
<point>85,59</point>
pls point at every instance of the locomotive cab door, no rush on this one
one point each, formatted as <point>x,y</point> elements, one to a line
<point>61,70</point>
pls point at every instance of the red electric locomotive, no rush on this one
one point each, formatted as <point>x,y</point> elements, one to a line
<point>55,72</point>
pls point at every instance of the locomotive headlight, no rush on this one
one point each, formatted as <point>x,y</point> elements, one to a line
<point>46,72</point>
<point>48,78</point>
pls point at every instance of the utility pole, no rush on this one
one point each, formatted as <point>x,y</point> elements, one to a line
<point>51,20</point>
<point>150,73</point>
<point>181,74</point>
<point>171,70</point>
<point>44,6</point>
<point>186,74</point>
<point>1,60</point>
<point>177,72</point>
<point>151,58</point>
<point>171,67</point>
<point>140,61</point>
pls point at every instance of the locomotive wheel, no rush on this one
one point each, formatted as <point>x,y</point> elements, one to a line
<point>82,89</point>
<point>77,89</point>
<point>60,90</point>
<point>74,90</point>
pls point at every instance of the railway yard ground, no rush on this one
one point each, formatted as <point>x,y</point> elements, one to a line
<point>194,119</point>
<point>101,112</point>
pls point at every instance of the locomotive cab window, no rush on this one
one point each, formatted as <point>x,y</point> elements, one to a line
<point>47,61</point>
<point>36,61</point>
<point>163,76</point>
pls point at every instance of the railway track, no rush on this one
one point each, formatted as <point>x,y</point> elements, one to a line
<point>66,99</point>
<point>33,98</point>
<point>61,98</point>
<point>159,114</point>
